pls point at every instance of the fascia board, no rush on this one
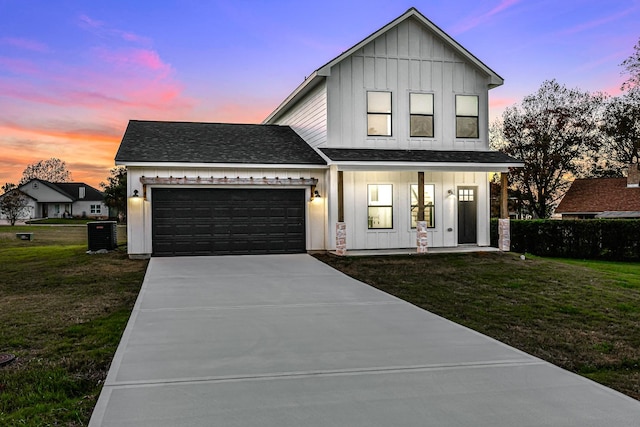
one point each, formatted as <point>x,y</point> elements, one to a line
<point>219,165</point>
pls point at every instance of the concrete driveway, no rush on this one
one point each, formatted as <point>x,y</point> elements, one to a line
<point>285,340</point>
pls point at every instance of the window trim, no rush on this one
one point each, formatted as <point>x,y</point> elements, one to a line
<point>432,208</point>
<point>95,209</point>
<point>369,206</point>
<point>389,114</point>
<point>432,115</point>
<point>477,117</point>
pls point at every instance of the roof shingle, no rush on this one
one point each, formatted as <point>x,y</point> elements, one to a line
<point>417,156</point>
<point>600,195</point>
<point>191,142</point>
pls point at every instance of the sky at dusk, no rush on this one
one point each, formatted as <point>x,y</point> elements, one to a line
<point>73,73</point>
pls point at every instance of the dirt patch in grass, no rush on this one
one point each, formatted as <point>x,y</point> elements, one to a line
<point>62,313</point>
<point>576,316</point>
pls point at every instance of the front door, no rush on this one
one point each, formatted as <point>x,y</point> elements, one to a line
<point>45,210</point>
<point>467,215</point>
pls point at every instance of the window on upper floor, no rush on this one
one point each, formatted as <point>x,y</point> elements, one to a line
<point>421,114</point>
<point>429,205</point>
<point>380,206</point>
<point>467,116</point>
<point>378,113</point>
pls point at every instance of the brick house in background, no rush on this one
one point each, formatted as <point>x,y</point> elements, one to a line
<point>603,197</point>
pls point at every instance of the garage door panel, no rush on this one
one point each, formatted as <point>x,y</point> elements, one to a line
<point>228,221</point>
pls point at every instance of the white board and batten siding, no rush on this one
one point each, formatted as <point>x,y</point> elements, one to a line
<point>407,58</point>
<point>444,234</point>
<point>309,117</point>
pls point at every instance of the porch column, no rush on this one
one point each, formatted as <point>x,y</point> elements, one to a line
<point>341,227</point>
<point>504,227</point>
<point>421,224</point>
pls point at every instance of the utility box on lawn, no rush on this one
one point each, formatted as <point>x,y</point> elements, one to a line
<point>102,235</point>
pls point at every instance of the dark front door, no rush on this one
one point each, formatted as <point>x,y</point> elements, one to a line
<point>467,215</point>
<point>215,221</point>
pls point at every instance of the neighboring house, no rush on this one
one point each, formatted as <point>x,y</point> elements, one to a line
<point>603,198</point>
<point>64,200</point>
<point>407,104</point>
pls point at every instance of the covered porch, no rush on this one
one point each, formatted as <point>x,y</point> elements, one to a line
<point>375,203</point>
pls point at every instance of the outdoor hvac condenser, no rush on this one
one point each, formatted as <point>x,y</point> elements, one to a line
<point>102,235</point>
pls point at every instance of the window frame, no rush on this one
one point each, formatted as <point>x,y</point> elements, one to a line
<point>95,209</point>
<point>370,225</point>
<point>463,116</point>
<point>380,114</point>
<point>431,208</point>
<point>412,115</point>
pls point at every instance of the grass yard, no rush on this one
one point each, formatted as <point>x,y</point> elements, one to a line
<point>62,313</point>
<point>581,315</point>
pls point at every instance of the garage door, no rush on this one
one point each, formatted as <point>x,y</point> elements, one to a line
<point>192,221</point>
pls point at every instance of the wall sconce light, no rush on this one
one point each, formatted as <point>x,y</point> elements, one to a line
<point>450,192</point>
<point>316,194</point>
<point>135,193</point>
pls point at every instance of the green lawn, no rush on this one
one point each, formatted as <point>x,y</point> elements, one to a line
<point>582,316</point>
<point>62,313</point>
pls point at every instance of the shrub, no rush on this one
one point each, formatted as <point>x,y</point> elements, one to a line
<point>615,240</point>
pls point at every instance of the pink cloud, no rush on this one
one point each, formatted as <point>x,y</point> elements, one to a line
<point>470,23</point>
<point>501,102</point>
<point>18,66</point>
<point>144,58</point>
<point>25,44</point>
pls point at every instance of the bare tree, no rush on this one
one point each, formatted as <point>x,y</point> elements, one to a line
<point>53,170</point>
<point>621,126</point>
<point>631,67</point>
<point>551,132</point>
<point>13,203</point>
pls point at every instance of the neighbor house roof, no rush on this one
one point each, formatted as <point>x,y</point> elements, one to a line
<point>435,157</point>
<point>600,195</point>
<point>193,142</point>
<point>321,73</point>
<point>71,190</point>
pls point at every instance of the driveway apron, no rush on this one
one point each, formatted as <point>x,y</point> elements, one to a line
<point>285,340</point>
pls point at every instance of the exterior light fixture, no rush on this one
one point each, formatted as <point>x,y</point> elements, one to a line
<point>316,194</point>
<point>135,193</point>
<point>450,192</point>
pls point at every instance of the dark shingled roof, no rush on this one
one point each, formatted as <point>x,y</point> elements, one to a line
<point>71,190</point>
<point>600,195</point>
<point>188,142</point>
<point>417,156</point>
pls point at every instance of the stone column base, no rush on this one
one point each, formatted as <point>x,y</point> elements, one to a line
<point>421,237</point>
<point>504,234</point>
<point>341,238</point>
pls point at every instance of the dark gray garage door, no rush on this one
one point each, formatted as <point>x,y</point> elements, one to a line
<point>192,221</point>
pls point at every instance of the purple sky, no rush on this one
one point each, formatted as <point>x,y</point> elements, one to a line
<point>72,73</point>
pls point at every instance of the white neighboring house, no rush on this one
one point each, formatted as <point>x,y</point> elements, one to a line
<point>407,104</point>
<point>64,200</point>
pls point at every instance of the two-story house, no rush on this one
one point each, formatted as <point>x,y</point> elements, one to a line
<point>388,138</point>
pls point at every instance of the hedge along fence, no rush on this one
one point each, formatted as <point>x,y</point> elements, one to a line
<point>616,239</point>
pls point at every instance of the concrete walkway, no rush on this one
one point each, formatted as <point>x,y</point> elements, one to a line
<point>284,340</point>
